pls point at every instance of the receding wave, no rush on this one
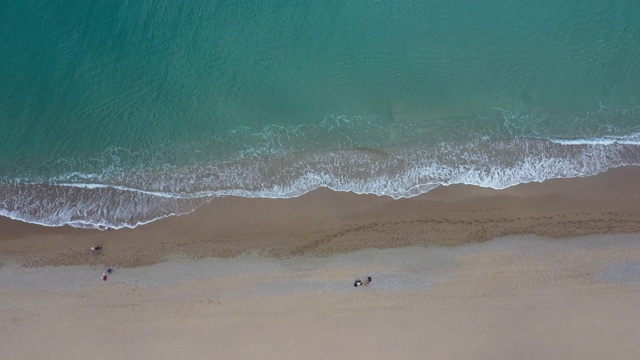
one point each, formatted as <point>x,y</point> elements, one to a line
<point>404,174</point>
<point>90,206</point>
<point>127,188</point>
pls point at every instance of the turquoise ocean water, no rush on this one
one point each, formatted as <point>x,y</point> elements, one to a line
<point>117,113</point>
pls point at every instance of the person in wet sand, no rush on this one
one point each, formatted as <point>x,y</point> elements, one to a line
<point>357,283</point>
<point>368,280</point>
<point>96,248</point>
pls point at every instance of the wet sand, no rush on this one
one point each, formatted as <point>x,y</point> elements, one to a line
<point>325,222</point>
<point>273,279</point>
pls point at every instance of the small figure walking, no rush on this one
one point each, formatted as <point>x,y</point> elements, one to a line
<point>96,248</point>
<point>104,277</point>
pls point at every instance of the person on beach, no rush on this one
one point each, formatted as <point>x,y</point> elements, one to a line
<point>104,277</point>
<point>109,270</point>
<point>359,282</point>
<point>96,248</point>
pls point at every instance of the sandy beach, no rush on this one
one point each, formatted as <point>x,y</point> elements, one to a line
<point>320,180</point>
<point>538,271</point>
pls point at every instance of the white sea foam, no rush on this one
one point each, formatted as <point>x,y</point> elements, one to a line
<point>126,188</point>
<point>137,198</point>
<point>632,139</point>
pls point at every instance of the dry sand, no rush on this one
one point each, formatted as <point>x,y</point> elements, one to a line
<point>273,278</point>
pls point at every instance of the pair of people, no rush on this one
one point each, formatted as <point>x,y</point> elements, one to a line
<point>104,275</point>
<point>359,282</point>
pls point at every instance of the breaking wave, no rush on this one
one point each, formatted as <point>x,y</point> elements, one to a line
<point>127,188</point>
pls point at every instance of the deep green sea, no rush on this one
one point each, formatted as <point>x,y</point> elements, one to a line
<point>117,113</point>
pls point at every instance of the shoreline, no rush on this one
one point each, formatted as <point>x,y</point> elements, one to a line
<point>325,222</point>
